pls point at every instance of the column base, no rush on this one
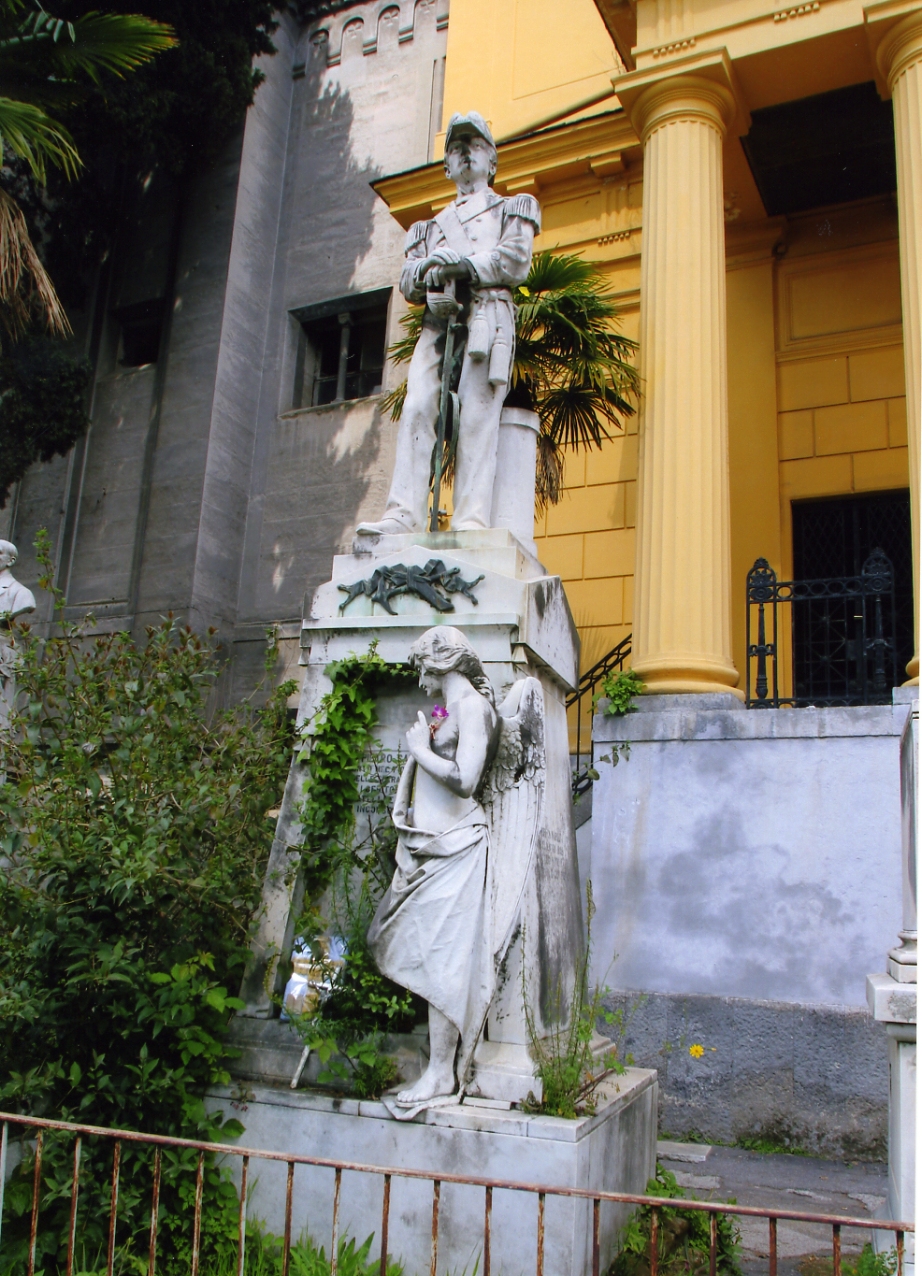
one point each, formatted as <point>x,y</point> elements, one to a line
<point>676,677</point>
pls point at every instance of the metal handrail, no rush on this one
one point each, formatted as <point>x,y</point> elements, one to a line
<point>612,660</point>
<point>597,1196</point>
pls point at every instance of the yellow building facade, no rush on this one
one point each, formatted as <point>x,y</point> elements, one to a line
<point>776,351</point>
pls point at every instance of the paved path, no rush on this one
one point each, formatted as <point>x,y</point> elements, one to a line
<point>783,1182</point>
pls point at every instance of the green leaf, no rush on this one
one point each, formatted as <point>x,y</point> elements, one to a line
<point>31,134</point>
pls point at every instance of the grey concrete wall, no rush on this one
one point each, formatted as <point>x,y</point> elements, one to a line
<point>746,869</point>
<point>367,104</point>
<point>806,1077</point>
<point>750,854</point>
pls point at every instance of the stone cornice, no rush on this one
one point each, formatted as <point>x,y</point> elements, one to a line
<point>596,147</point>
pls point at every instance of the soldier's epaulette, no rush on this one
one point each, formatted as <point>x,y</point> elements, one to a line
<point>524,206</point>
<point>416,234</point>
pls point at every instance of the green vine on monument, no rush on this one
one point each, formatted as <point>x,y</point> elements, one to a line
<point>336,741</point>
<point>347,1028</point>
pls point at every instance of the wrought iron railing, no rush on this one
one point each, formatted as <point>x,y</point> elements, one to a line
<point>842,634</point>
<point>160,1142</point>
<point>586,687</point>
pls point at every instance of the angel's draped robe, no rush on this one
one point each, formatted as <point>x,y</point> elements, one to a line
<point>432,931</point>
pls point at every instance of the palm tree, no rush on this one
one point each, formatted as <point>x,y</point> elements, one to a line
<point>45,64</point>
<point>571,366</point>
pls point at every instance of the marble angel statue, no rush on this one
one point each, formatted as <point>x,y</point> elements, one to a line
<point>468,810</point>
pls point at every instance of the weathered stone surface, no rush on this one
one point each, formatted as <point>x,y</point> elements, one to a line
<point>748,854</point>
<point>813,1077</point>
<point>15,600</point>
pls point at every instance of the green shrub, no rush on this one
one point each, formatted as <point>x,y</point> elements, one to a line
<point>263,1257</point>
<point>867,1263</point>
<point>135,837</point>
<point>683,1237</point>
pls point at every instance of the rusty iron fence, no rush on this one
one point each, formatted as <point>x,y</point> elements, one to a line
<point>712,1208</point>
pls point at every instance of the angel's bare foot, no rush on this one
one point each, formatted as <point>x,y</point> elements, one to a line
<point>433,1084</point>
<point>439,1077</point>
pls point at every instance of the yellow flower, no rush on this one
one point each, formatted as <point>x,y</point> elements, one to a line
<point>696,1051</point>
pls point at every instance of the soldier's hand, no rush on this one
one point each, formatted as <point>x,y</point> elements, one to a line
<point>445,257</point>
<point>437,275</point>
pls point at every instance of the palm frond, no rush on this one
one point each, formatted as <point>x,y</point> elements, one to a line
<point>26,292</point>
<point>394,400</point>
<point>50,62</point>
<point>35,137</point>
<point>412,323</point>
<point>97,42</point>
<point>548,472</point>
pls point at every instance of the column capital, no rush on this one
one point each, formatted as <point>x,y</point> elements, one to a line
<point>701,86</point>
<point>894,29</point>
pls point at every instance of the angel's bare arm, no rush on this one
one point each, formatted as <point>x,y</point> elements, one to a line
<point>463,773</point>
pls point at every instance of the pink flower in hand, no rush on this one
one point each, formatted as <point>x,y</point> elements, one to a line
<point>439,714</point>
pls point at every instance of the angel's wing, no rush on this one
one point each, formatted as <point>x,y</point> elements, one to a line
<point>514,801</point>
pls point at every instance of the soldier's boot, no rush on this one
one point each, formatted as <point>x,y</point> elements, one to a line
<point>386,527</point>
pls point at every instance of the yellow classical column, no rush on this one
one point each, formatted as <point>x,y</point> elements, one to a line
<point>682,639</point>
<point>899,56</point>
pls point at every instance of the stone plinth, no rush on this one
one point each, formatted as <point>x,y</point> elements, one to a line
<point>892,1000</point>
<point>614,1150</point>
<point>895,1005</point>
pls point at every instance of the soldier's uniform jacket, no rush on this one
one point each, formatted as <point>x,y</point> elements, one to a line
<point>494,235</point>
<point>499,234</point>
<point>14,598</point>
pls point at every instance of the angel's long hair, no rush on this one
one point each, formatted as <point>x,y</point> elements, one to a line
<point>445,649</point>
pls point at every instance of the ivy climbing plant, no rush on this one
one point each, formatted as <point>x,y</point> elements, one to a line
<point>336,741</point>
<point>345,876</point>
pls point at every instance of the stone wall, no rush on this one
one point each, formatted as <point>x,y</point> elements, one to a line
<point>746,873</point>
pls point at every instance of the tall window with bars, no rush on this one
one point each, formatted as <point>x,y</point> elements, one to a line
<point>341,349</point>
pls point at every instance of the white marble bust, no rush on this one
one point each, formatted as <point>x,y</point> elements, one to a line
<point>15,598</point>
<point>15,601</point>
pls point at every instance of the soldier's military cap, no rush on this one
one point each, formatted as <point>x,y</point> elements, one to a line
<point>472,122</point>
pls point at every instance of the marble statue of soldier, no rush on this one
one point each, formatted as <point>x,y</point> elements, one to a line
<point>15,600</point>
<point>483,242</point>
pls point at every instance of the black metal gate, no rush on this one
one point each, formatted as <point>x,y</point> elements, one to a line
<point>843,630</point>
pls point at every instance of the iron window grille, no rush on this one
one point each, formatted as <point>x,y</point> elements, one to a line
<point>341,349</point>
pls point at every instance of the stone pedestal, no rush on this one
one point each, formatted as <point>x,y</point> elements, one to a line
<point>513,500</point>
<point>517,619</point>
<point>893,1001</point>
<point>613,1150</point>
